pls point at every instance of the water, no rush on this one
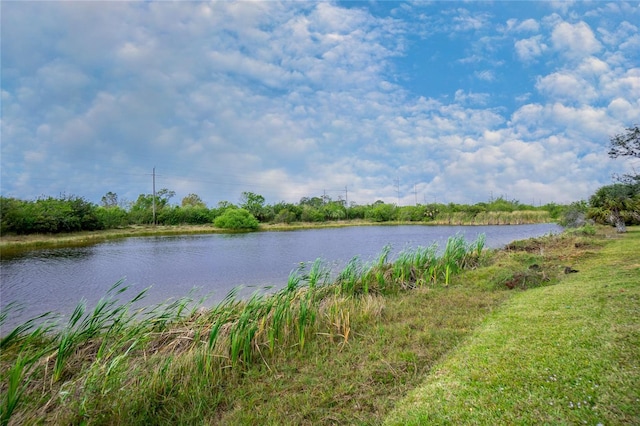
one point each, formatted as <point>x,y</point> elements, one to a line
<point>213,264</point>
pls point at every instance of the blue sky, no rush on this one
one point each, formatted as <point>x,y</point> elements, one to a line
<point>395,101</point>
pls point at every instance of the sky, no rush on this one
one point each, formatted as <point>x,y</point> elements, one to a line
<point>404,102</point>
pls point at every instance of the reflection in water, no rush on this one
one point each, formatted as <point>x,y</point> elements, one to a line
<point>57,279</point>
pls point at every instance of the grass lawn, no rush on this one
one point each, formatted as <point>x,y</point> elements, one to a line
<point>563,354</point>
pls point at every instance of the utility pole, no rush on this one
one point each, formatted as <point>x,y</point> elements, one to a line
<point>346,201</point>
<point>398,191</point>
<point>415,193</point>
<point>154,196</point>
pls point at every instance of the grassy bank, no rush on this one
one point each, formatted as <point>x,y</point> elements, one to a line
<point>565,354</point>
<point>317,352</point>
<point>16,243</point>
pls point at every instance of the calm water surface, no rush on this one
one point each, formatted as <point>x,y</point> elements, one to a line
<point>57,279</point>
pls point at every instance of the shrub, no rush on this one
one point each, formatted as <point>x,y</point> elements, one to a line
<point>381,213</point>
<point>236,219</point>
<point>112,217</point>
<point>574,216</point>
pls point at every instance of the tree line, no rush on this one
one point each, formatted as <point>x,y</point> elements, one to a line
<point>72,213</point>
<point>617,204</point>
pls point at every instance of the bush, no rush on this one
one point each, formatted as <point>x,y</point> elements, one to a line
<point>236,219</point>
<point>285,216</point>
<point>575,215</point>
<point>112,217</point>
<point>312,214</point>
<point>48,215</point>
<point>381,213</point>
<point>189,215</point>
<point>587,229</point>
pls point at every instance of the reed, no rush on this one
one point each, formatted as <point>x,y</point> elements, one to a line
<point>517,217</point>
<point>350,277</point>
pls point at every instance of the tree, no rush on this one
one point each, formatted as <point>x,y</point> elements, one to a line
<point>253,203</point>
<point>192,200</point>
<point>163,196</point>
<point>142,210</point>
<point>617,204</point>
<point>334,210</point>
<point>381,212</point>
<point>626,145</point>
<point>286,212</point>
<point>110,199</point>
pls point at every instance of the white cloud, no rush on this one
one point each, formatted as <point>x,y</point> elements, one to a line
<point>486,75</point>
<point>625,84</point>
<point>566,88</point>
<point>517,26</point>
<point>624,111</point>
<point>562,5</point>
<point>465,20</point>
<point>471,98</point>
<point>530,48</point>
<point>592,67</point>
<point>289,99</point>
<point>575,41</point>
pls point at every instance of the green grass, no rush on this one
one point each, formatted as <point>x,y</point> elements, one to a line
<point>349,352</point>
<point>563,354</point>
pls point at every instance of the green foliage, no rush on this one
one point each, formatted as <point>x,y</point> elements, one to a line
<point>141,211</point>
<point>617,205</point>
<point>112,217</point>
<point>189,215</point>
<point>286,212</point>
<point>311,214</point>
<point>381,213</point>
<point>587,230</point>
<point>110,199</point>
<point>574,216</point>
<point>626,145</point>
<point>254,204</point>
<point>192,200</point>
<point>412,213</point>
<point>236,219</point>
<point>555,210</point>
<point>285,216</point>
<point>48,215</point>
<point>334,211</point>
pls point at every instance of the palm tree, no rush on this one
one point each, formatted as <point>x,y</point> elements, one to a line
<point>617,204</point>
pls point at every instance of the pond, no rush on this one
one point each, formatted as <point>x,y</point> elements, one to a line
<point>212,264</point>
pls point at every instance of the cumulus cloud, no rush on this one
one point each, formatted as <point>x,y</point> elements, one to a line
<point>530,48</point>
<point>566,88</point>
<point>516,26</point>
<point>574,41</point>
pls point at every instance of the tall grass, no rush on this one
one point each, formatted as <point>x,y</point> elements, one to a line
<point>103,344</point>
<point>517,217</point>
